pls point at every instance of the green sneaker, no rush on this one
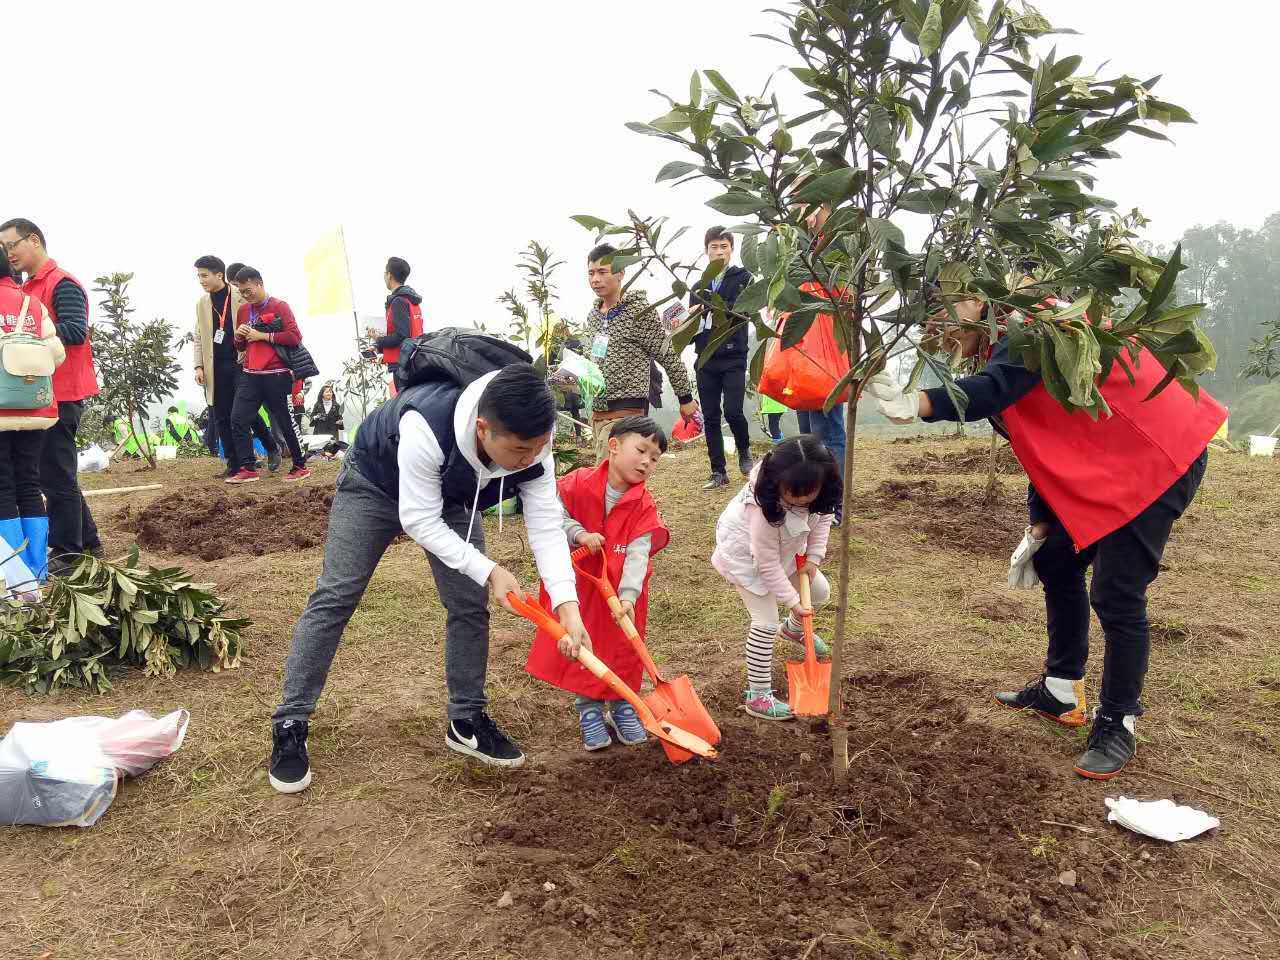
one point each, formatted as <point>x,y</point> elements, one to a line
<point>763,704</point>
<point>820,647</point>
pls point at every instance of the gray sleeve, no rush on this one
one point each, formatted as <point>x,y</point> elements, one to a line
<point>571,528</point>
<point>634,568</point>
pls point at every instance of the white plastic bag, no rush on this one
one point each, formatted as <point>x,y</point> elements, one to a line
<point>1160,819</point>
<point>65,773</point>
<point>93,459</point>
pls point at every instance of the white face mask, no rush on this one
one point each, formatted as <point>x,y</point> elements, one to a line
<point>796,522</point>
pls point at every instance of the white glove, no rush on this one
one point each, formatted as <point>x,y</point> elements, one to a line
<point>1022,573</point>
<point>893,403</point>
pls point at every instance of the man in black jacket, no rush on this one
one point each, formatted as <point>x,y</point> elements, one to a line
<point>725,372</point>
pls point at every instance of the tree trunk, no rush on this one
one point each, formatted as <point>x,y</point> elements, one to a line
<point>992,484</point>
<point>144,442</point>
<point>835,705</point>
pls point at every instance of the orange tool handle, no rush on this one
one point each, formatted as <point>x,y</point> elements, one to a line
<point>531,610</point>
<point>806,599</point>
<point>602,583</point>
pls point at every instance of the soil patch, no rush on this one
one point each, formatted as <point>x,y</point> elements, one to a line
<point>938,843</point>
<point>956,517</point>
<point>962,461</point>
<point>214,524</point>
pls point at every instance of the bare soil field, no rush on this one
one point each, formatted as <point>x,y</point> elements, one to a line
<point>960,833</point>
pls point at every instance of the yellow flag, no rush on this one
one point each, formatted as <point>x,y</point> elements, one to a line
<point>328,283</point>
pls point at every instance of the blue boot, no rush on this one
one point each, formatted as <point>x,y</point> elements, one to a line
<point>18,577</point>
<point>36,532</point>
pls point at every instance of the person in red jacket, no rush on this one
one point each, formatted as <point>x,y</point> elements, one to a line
<point>71,527</point>
<point>608,508</point>
<point>404,316</point>
<point>262,324</point>
<point>1104,493</point>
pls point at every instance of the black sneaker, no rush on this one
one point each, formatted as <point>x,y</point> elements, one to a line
<point>483,739</point>
<point>745,462</point>
<point>1036,697</point>
<point>290,768</point>
<point>717,480</point>
<point>1111,746</point>
<point>273,460</point>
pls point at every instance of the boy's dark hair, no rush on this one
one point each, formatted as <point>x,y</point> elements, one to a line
<point>25,229</point>
<point>797,465</point>
<point>644,426</point>
<point>518,401</point>
<point>232,270</point>
<point>716,233</point>
<point>245,274</point>
<point>172,410</point>
<point>398,268</point>
<point>601,251</point>
<point>212,264</point>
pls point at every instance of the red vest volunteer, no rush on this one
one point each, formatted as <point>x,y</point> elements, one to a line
<point>74,379</point>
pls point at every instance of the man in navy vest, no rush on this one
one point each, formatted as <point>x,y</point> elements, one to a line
<point>429,461</point>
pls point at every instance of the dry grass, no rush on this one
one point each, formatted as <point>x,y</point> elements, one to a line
<point>200,859</point>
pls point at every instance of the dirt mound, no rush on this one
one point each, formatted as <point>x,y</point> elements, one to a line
<point>213,524</point>
<point>938,844</point>
<point>962,461</point>
<point>956,517</point>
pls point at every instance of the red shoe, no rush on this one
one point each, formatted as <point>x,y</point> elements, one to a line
<point>297,473</point>
<point>243,476</point>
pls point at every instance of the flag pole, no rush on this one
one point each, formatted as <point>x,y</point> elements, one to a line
<point>355,319</point>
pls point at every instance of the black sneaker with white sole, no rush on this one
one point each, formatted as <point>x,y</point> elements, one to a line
<point>481,738</point>
<point>290,768</point>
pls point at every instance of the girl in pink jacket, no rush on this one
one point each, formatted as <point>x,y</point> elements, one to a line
<point>785,508</point>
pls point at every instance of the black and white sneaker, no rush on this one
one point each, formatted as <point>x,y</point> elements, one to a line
<point>717,480</point>
<point>483,739</point>
<point>745,463</point>
<point>290,768</point>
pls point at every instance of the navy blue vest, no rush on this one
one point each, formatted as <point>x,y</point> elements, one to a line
<point>378,443</point>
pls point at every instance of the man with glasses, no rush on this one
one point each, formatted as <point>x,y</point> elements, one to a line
<point>71,527</point>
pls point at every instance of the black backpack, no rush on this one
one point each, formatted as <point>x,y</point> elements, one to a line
<point>454,355</point>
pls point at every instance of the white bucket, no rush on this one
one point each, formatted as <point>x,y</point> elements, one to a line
<point>1262,446</point>
<point>166,453</point>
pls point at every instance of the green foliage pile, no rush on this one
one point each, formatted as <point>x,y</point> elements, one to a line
<point>108,615</point>
<point>1256,411</point>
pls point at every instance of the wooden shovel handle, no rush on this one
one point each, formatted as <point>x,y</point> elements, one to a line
<point>615,606</point>
<point>806,600</point>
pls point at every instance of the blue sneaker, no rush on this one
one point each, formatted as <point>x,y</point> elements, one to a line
<point>626,723</point>
<point>595,735</point>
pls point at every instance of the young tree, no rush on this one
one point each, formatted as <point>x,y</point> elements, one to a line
<point>950,160</point>
<point>135,361</point>
<point>538,264</point>
<point>1264,353</point>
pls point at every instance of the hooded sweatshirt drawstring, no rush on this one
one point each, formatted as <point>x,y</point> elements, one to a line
<point>500,510</point>
<point>474,503</point>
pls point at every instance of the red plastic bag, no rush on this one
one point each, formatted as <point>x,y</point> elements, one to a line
<point>803,376</point>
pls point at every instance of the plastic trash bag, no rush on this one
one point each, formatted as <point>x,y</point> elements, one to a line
<point>93,459</point>
<point>1160,819</point>
<point>65,773</point>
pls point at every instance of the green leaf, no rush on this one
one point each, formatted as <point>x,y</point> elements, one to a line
<point>672,171</point>
<point>879,129</point>
<point>722,86</point>
<point>695,90</point>
<point>1164,286</point>
<point>829,187</point>
<point>973,13</point>
<point>931,31</point>
<point>590,223</point>
<point>737,203</point>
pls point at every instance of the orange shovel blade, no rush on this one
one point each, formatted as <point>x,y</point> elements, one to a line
<point>808,687</point>
<point>676,702</point>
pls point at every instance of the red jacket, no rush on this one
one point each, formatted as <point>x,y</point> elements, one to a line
<point>391,355</point>
<point>582,493</point>
<point>75,378</point>
<point>261,354</point>
<point>1097,476</point>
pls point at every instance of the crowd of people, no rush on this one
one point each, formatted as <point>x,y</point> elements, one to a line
<point>446,447</point>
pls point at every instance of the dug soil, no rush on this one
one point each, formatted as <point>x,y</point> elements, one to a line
<point>213,525</point>
<point>962,461</point>
<point>948,839</point>
<point>956,517</point>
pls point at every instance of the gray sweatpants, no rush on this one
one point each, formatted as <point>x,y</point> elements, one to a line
<point>362,523</point>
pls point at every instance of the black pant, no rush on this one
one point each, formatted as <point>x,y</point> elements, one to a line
<point>225,380</point>
<point>775,426</point>
<point>71,526</point>
<point>1125,563</point>
<point>20,474</point>
<point>272,391</point>
<point>732,383</point>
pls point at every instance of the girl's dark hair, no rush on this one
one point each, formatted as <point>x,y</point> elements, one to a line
<point>6,272</point>
<point>798,465</point>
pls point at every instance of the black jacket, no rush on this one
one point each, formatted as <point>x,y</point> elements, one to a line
<point>733,352</point>
<point>398,303</point>
<point>327,422</point>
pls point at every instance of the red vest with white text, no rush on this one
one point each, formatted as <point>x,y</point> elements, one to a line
<point>75,378</point>
<point>391,355</point>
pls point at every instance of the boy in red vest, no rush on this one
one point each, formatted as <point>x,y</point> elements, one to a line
<point>607,507</point>
<point>404,316</point>
<point>1103,493</point>
<point>71,529</point>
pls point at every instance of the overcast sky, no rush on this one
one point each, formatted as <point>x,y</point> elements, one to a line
<point>451,135</point>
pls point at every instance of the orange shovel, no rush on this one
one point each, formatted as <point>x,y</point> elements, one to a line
<point>808,681</point>
<point>675,699</point>
<point>664,730</point>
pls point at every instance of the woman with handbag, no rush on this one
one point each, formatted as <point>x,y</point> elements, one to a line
<point>273,358</point>
<point>29,352</point>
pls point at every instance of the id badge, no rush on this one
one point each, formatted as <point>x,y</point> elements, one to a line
<point>599,346</point>
<point>219,335</point>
